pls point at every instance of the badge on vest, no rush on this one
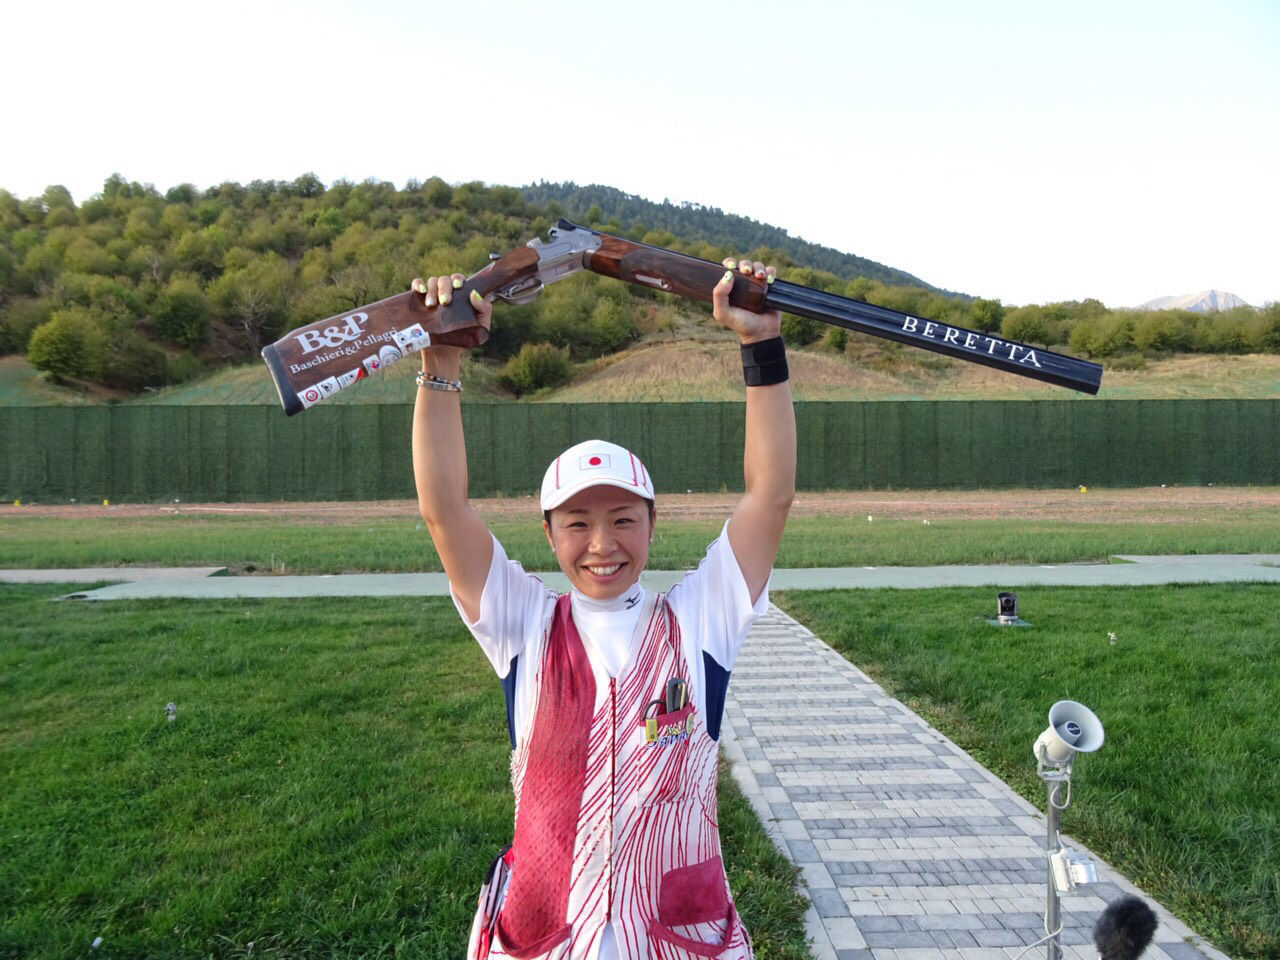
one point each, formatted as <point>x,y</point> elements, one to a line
<point>663,734</point>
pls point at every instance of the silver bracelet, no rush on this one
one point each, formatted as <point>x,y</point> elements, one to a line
<point>432,382</point>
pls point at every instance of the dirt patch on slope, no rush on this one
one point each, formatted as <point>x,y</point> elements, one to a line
<point>708,368</point>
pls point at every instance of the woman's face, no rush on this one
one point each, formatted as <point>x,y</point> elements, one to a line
<point>601,538</point>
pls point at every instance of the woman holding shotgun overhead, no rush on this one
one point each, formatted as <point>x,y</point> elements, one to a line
<point>614,693</point>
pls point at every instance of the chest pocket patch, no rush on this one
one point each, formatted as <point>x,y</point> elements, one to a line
<point>668,728</point>
<point>664,742</point>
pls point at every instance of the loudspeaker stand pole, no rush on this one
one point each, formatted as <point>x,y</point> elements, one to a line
<point>1051,912</point>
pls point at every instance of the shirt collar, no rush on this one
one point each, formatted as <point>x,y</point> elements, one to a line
<point>628,600</point>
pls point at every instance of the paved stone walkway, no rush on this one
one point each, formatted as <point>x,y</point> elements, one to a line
<point>910,849</point>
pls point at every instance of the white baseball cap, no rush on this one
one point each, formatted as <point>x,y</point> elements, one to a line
<point>593,463</point>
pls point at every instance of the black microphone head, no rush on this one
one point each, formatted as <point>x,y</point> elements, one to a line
<point>1124,929</point>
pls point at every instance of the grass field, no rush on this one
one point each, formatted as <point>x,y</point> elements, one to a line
<point>1184,796</point>
<point>252,542</point>
<point>334,784</point>
<point>302,801</point>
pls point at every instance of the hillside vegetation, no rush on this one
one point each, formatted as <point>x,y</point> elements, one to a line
<point>133,290</point>
<point>692,221</point>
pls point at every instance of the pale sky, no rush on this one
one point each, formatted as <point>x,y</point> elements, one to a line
<point>1016,149</point>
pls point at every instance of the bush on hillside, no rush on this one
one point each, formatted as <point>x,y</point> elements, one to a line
<point>1269,327</point>
<point>133,363</point>
<point>19,318</point>
<point>1164,331</point>
<point>1103,337</point>
<point>536,367</point>
<point>799,331</point>
<point>611,325</point>
<point>182,313</point>
<point>986,315</point>
<point>184,367</point>
<point>835,339</point>
<point>1025,325</point>
<point>69,346</point>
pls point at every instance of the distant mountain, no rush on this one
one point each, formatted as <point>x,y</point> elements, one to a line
<point>693,221</point>
<point>1206,301</point>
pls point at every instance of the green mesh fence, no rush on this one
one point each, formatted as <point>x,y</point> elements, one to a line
<point>361,451</point>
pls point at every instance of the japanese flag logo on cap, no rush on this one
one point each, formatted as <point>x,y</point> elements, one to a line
<point>594,463</point>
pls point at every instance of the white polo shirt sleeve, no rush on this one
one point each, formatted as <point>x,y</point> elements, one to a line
<point>713,606</point>
<point>514,610</point>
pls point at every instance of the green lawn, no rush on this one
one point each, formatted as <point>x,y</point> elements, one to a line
<point>1184,796</point>
<point>334,784</point>
<point>256,543</point>
<point>336,779</point>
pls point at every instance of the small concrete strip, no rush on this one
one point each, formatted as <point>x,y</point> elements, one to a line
<point>910,849</point>
<point>1138,571</point>
<point>1135,571</point>
<point>100,574</point>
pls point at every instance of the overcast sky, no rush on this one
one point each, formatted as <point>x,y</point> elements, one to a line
<point>1023,150</point>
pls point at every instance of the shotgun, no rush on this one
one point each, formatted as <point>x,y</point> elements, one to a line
<point>317,360</point>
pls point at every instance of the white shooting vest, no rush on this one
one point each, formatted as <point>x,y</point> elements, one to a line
<point>615,817</point>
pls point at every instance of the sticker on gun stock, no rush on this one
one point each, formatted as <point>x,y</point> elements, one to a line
<point>351,376</point>
<point>412,339</point>
<point>389,355</point>
<point>310,396</point>
<point>328,386</point>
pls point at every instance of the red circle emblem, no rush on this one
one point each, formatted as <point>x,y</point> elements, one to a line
<point>594,461</point>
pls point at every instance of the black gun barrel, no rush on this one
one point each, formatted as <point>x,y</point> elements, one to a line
<point>963,344</point>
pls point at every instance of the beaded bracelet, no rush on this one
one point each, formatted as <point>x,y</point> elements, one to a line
<point>432,382</point>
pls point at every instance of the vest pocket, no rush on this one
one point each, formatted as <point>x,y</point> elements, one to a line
<point>695,917</point>
<point>725,940</point>
<point>554,946</point>
<point>663,751</point>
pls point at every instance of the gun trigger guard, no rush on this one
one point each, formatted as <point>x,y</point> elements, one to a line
<point>525,290</point>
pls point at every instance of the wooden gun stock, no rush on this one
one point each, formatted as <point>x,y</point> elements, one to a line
<point>317,360</point>
<point>671,272</point>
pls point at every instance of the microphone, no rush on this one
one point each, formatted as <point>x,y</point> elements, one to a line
<point>1124,929</point>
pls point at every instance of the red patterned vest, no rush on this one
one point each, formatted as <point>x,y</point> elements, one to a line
<point>615,817</point>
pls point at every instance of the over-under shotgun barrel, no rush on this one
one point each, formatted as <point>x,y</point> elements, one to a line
<point>688,276</point>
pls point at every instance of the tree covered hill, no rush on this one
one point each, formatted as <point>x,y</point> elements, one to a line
<point>692,221</point>
<point>134,289</point>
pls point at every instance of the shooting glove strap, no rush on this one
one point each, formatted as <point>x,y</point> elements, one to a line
<point>764,362</point>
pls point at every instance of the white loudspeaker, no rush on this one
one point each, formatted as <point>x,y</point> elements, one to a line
<point>1072,729</point>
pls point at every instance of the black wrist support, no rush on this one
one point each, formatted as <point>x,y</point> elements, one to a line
<point>764,362</point>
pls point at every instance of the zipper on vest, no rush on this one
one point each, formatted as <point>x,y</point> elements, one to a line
<point>613,780</point>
